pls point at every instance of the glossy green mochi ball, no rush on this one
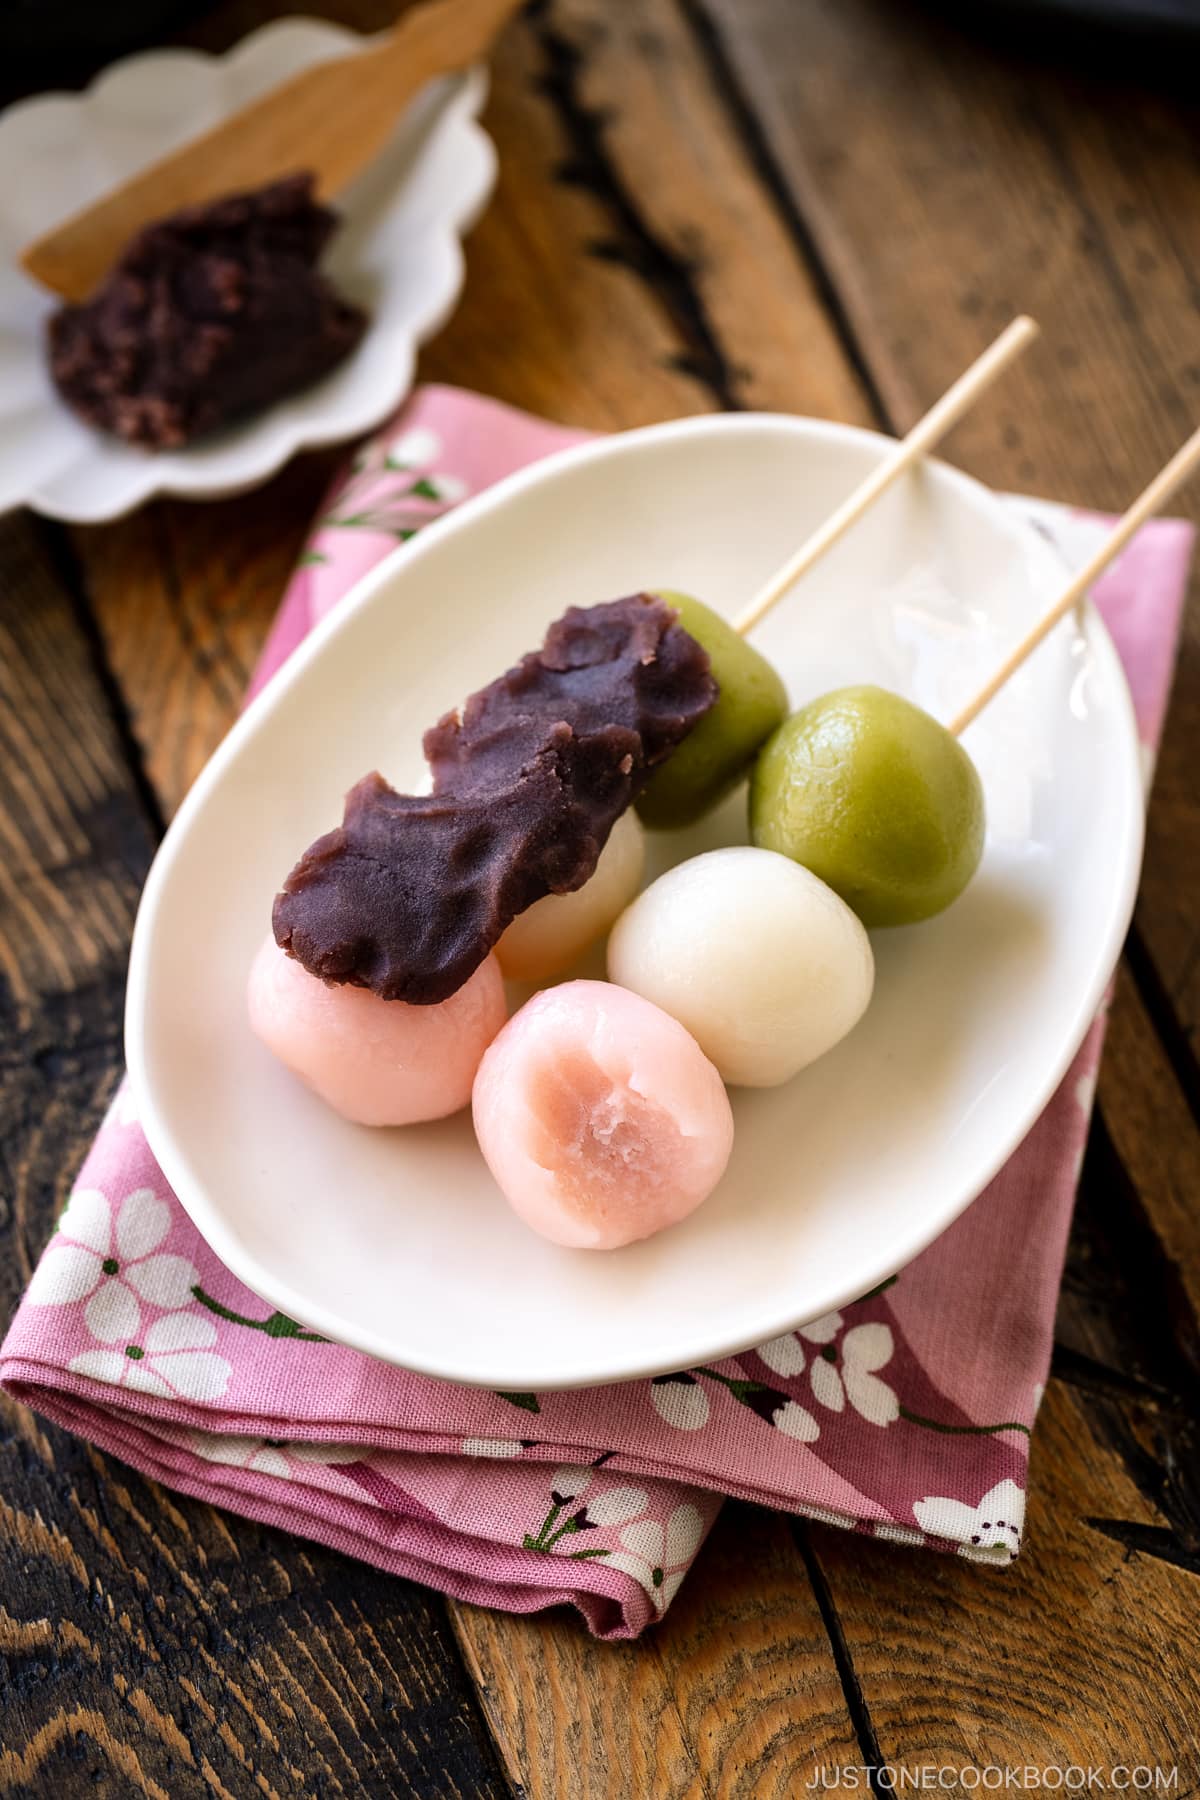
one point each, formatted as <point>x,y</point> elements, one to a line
<point>717,752</point>
<point>874,796</point>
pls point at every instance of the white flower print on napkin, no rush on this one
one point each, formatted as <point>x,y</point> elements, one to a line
<point>271,1456</point>
<point>989,1532</point>
<point>679,1400</point>
<point>394,488</point>
<point>840,1372</point>
<point>85,1263</point>
<point>656,1558</point>
<point>174,1360</point>
<point>604,1506</point>
<point>616,1505</point>
<point>864,1349</point>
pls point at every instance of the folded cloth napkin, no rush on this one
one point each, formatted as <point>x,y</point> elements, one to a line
<point>905,1416</point>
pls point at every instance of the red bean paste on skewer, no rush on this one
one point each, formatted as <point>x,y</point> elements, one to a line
<point>411,892</point>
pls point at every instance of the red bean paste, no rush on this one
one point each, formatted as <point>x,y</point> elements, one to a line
<point>411,892</point>
<point>210,314</point>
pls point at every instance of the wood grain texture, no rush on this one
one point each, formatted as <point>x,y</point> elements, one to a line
<point>182,597</point>
<point>1078,1654</point>
<point>735,1694</point>
<point>148,1645</point>
<point>1155,1137</point>
<point>1128,1332</point>
<point>557,314</point>
<point>679,204</point>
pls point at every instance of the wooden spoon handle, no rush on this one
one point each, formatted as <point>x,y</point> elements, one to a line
<point>333,119</point>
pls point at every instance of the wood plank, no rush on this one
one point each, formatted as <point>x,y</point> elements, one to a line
<point>974,185</point>
<point>148,1647</point>
<point>734,1693</point>
<point>1155,1137</point>
<point>1128,1330</point>
<point>552,318</point>
<point>183,596</point>
<point>1080,1654</point>
<point>677,202</point>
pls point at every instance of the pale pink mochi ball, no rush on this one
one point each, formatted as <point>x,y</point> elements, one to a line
<point>600,1117</point>
<point>378,1062</point>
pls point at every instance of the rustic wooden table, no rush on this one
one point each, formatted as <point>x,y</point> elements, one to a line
<point>825,206</point>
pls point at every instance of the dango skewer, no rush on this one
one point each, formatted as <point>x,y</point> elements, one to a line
<point>753,701</point>
<point>882,809</point>
<point>880,800</point>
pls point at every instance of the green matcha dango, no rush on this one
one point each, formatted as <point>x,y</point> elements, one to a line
<point>876,798</point>
<point>717,752</point>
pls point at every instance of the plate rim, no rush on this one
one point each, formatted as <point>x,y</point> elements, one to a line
<point>648,1362</point>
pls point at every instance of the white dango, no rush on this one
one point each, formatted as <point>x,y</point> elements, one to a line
<point>761,961</point>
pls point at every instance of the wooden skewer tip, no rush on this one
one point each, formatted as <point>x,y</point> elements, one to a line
<point>928,430</point>
<point>1168,481</point>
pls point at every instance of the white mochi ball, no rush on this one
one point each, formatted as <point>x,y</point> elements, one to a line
<point>554,932</point>
<point>761,961</point>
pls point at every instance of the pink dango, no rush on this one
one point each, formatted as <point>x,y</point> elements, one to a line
<point>377,1062</point>
<point>600,1117</point>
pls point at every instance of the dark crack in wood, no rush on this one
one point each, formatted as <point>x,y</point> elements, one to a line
<point>1149,1540</point>
<point>856,1702</point>
<point>1123,1288</point>
<point>756,145</point>
<point>669,274</point>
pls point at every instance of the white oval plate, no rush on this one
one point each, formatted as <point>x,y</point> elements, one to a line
<point>398,1242</point>
<point>398,252</point>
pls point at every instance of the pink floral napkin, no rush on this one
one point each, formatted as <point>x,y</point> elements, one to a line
<point>905,1416</point>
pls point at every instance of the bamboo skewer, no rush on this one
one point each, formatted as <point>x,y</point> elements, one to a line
<point>923,436</point>
<point>1167,482</point>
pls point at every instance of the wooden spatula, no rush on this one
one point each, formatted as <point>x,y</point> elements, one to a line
<point>332,119</point>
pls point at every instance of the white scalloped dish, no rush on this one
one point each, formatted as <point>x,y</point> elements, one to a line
<point>398,253</point>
